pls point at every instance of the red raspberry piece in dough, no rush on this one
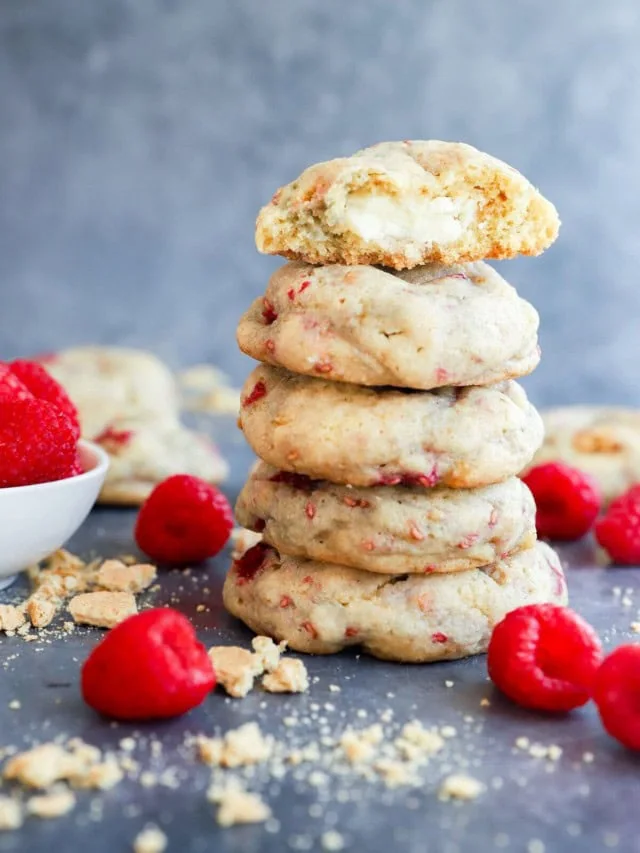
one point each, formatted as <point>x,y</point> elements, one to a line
<point>37,443</point>
<point>43,386</point>
<point>10,386</point>
<point>616,692</point>
<point>150,666</point>
<point>544,656</point>
<point>184,520</point>
<point>567,500</point>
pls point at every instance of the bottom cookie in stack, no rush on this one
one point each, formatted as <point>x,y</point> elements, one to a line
<point>321,608</point>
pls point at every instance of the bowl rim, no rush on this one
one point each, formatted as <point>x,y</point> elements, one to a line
<point>97,471</point>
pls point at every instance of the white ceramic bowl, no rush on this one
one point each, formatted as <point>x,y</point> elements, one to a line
<point>37,520</point>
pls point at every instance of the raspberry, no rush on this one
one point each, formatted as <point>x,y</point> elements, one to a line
<point>616,692</point>
<point>150,666</point>
<point>37,443</point>
<point>567,500</point>
<point>630,497</point>
<point>10,386</point>
<point>44,387</point>
<point>544,656</point>
<point>184,520</point>
<point>618,532</point>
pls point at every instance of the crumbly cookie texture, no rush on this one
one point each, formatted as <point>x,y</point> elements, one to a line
<point>290,676</point>
<point>235,668</point>
<point>400,204</point>
<point>423,328</point>
<point>458,437</point>
<point>602,441</point>
<point>236,805</point>
<point>150,840</point>
<point>102,609</point>
<point>391,531</point>
<point>321,609</point>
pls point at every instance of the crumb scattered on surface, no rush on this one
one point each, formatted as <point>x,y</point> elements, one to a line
<point>10,814</point>
<point>102,609</point>
<point>238,748</point>
<point>11,618</point>
<point>78,763</point>
<point>332,840</point>
<point>116,576</point>
<point>290,676</point>
<point>459,786</point>
<point>236,805</point>
<point>51,805</point>
<point>15,705</point>
<point>235,668</point>
<point>151,840</point>
<point>267,652</point>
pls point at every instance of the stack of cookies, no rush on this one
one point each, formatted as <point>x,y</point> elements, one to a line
<point>384,411</point>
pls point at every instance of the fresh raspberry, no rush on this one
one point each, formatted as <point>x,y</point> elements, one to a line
<point>616,692</point>
<point>43,386</point>
<point>567,500</point>
<point>618,532</point>
<point>544,656</point>
<point>149,666</point>
<point>630,497</point>
<point>37,443</point>
<point>184,520</point>
<point>10,386</point>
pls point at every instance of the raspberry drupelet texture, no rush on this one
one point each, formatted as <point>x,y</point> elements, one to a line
<point>11,388</point>
<point>150,666</point>
<point>567,500</point>
<point>37,443</point>
<point>544,656</point>
<point>184,520</point>
<point>618,531</point>
<point>44,387</point>
<point>616,692</point>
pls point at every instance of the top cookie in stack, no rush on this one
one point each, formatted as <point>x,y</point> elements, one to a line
<point>385,415</point>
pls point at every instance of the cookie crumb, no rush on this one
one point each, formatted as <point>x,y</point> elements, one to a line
<point>239,747</point>
<point>332,840</point>
<point>235,669</point>
<point>235,805</point>
<point>10,814</point>
<point>360,746</point>
<point>334,688</point>
<point>11,618</point>
<point>102,609</point>
<point>588,757</point>
<point>116,576</point>
<point>448,684</point>
<point>52,804</point>
<point>459,786</point>
<point>415,742</point>
<point>635,627</point>
<point>267,652</point>
<point>290,676</point>
<point>15,705</point>
<point>448,731</point>
<point>151,840</point>
<point>535,846</point>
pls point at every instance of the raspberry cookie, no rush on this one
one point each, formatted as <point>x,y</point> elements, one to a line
<point>400,204</point>
<point>390,531</point>
<point>458,437</point>
<point>108,383</point>
<point>321,609</point>
<point>422,328</point>
<point>143,453</point>
<point>602,441</point>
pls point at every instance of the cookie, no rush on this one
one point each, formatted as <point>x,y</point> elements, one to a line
<point>603,441</point>
<point>422,328</point>
<point>108,383</point>
<point>458,437</point>
<point>321,609</point>
<point>401,204</point>
<point>390,530</point>
<point>143,453</point>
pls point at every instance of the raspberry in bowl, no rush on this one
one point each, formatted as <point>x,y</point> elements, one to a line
<point>38,519</point>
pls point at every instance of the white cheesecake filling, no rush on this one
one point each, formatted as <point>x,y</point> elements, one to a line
<point>381,218</point>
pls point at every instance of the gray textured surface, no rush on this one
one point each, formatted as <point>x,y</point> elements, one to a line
<point>139,137</point>
<point>578,808</point>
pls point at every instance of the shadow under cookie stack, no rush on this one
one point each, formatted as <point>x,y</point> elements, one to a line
<point>384,411</point>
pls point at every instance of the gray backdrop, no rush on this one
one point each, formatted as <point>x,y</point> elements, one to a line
<point>138,139</point>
